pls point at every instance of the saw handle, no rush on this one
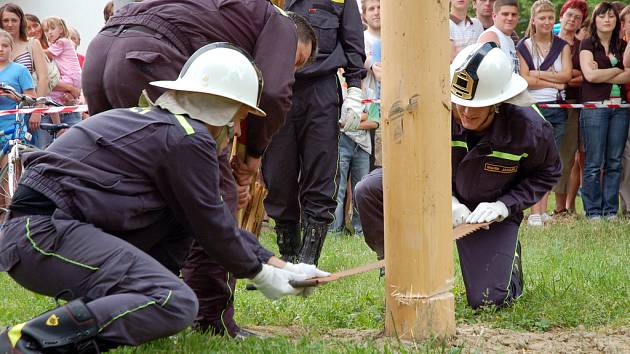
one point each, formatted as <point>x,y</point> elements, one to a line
<point>304,283</point>
<point>294,283</point>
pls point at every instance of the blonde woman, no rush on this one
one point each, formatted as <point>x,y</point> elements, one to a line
<point>545,63</point>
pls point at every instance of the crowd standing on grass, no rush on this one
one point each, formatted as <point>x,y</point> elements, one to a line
<point>586,62</point>
<point>314,68</point>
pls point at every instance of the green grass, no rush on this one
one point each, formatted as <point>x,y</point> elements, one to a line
<point>575,274</point>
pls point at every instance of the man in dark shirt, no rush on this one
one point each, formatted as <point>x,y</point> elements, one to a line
<point>504,160</point>
<point>300,166</point>
<point>99,215</point>
<point>151,40</point>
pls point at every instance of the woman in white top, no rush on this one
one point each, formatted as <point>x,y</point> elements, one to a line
<point>545,62</point>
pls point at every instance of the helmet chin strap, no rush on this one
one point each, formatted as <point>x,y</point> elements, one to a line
<point>489,118</point>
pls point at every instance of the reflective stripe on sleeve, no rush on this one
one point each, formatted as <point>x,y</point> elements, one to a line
<point>507,155</point>
<point>459,143</point>
<point>184,123</point>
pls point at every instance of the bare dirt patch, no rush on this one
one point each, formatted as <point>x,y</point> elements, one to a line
<point>478,338</point>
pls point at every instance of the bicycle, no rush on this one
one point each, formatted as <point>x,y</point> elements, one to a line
<point>12,150</point>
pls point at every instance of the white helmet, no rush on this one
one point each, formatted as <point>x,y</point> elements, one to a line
<point>220,69</point>
<point>481,75</point>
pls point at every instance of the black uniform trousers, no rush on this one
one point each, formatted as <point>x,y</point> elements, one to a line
<point>122,61</point>
<point>368,196</point>
<point>488,258</point>
<point>133,297</point>
<point>300,165</point>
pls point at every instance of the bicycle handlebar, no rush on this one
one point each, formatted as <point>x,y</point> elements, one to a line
<point>27,100</point>
<point>53,128</point>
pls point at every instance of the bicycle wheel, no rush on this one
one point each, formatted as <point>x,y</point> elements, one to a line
<point>7,178</point>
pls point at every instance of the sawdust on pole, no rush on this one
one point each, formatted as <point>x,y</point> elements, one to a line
<point>417,169</point>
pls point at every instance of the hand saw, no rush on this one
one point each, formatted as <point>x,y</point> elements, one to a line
<point>458,232</point>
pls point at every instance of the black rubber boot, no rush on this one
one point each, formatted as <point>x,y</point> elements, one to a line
<point>70,328</point>
<point>314,237</point>
<point>288,239</point>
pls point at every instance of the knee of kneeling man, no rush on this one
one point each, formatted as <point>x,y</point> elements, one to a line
<point>185,307</point>
<point>361,191</point>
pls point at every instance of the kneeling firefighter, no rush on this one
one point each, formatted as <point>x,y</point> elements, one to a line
<point>504,160</point>
<point>101,216</point>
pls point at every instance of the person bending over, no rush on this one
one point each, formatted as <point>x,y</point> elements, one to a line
<point>103,214</point>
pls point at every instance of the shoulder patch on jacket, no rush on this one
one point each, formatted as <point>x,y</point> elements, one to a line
<point>141,110</point>
<point>496,168</point>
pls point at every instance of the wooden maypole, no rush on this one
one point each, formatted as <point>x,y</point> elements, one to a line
<point>417,169</point>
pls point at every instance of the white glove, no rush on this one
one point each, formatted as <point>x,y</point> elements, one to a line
<point>274,282</point>
<point>486,212</point>
<point>459,212</point>
<point>351,110</point>
<point>310,270</point>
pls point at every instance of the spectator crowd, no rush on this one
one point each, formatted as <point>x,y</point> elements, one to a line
<point>42,60</point>
<point>582,61</point>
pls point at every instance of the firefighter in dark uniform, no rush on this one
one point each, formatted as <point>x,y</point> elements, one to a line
<point>95,212</point>
<point>151,40</point>
<point>300,164</point>
<point>504,160</point>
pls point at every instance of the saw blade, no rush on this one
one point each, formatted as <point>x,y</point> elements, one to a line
<point>338,275</point>
<point>458,232</point>
<point>467,229</point>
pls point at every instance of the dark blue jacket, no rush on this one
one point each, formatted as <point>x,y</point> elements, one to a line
<point>131,172</point>
<point>339,30</point>
<point>515,161</point>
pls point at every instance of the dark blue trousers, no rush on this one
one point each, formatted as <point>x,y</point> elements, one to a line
<point>488,258</point>
<point>133,297</point>
<point>300,165</point>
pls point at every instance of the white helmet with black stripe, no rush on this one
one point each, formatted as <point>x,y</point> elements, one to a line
<point>481,75</point>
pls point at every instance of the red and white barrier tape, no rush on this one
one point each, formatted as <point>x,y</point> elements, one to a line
<point>65,109</point>
<point>549,105</point>
<point>582,105</point>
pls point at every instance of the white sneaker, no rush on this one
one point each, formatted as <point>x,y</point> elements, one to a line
<point>594,218</point>
<point>545,217</point>
<point>535,220</point>
<point>611,217</point>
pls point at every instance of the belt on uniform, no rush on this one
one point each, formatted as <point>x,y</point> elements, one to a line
<point>17,214</point>
<point>137,28</point>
